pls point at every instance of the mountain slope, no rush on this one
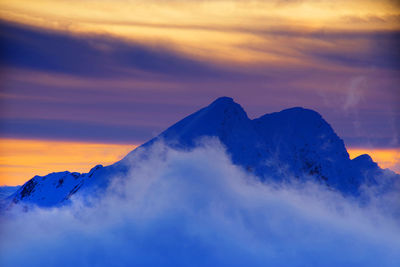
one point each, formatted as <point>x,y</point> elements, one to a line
<point>6,191</point>
<point>294,144</point>
<point>304,141</point>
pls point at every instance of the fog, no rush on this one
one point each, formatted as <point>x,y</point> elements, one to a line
<point>195,208</point>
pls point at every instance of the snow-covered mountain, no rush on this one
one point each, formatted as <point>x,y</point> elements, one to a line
<point>293,144</point>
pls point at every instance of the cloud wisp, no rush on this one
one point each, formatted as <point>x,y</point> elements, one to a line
<point>181,208</point>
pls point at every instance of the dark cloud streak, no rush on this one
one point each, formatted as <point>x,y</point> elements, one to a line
<point>93,56</point>
<point>74,131</point>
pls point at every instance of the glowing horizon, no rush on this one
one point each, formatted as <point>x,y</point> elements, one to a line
<point>385,157</point>
<point>22,159</point>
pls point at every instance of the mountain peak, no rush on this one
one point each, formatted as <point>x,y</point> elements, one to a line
<point>301,110</point>
<point>365,160</point>
<point>223,108</point>
<point>223,115</point>
<point>364,157</point>
<point>294,113</point>
<point>223,100</point>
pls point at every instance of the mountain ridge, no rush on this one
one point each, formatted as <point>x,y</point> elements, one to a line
<point>297,138</point>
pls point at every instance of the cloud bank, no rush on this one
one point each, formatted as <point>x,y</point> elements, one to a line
<point>195,208</point>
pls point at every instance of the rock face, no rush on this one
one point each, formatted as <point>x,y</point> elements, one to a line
<point>295,143</point>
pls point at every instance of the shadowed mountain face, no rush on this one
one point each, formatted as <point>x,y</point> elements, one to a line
<point>295,144</point>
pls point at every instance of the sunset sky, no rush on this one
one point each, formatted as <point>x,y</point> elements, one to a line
<point>84,82</point>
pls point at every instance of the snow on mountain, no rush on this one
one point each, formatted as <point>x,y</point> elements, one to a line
<point>51,189</point>
<point>6,191</point>
<point>294,144</point>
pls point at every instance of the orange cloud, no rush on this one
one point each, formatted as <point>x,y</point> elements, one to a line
<point>386,158</point>
<point>20,159</point>
<point>221,29</point>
